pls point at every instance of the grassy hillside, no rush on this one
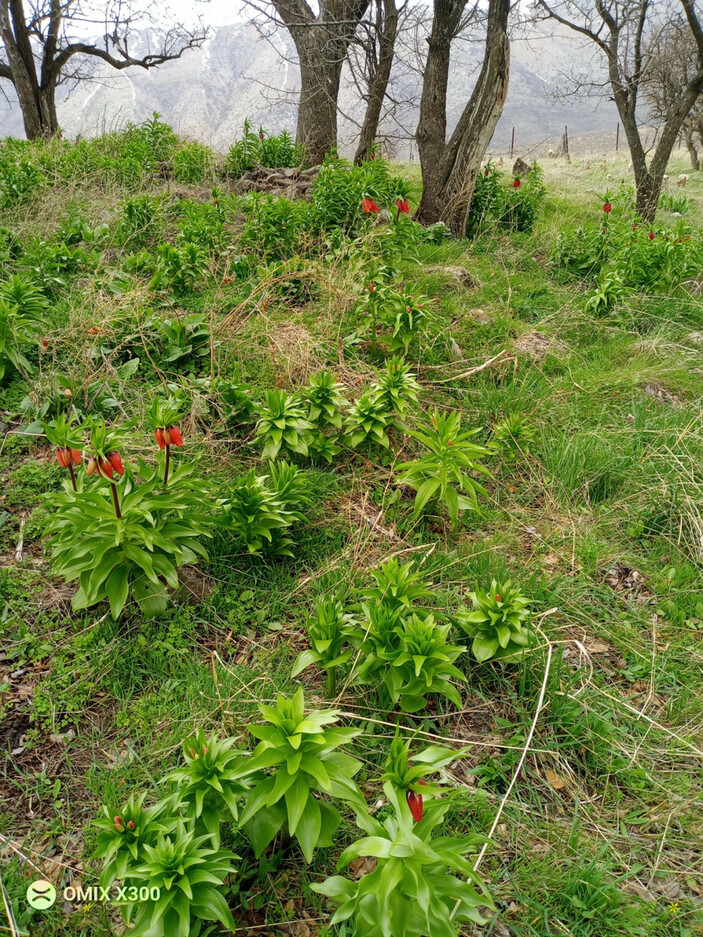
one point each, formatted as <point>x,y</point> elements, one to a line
<point>136,288</point>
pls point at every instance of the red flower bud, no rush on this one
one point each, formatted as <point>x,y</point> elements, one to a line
<point>486,172</point>
<point>176,438</point>
<point>119,825</point>
<point>45,344</point>
<point>607,208</point>
<point>371,288</point>
<point>63,456</point>
<point>204,749</point>
<point>517,183</point>
<point>91,466</point>
<point>130,824</point>
<point>192,752</point>
<point>115,460</point>
<point>651,235</point>
<point>498,598</point>
<point>415,803</point>
<point>159,437</point>
<point>408,309</point>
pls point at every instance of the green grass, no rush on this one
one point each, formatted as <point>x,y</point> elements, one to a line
<point>598,835</point>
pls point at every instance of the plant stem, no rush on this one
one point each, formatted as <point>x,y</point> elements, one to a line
<point>168,461</point>
<point>73,476</point>
<point>116,501</point>
<point>331,683</point>
<point>373,329</point>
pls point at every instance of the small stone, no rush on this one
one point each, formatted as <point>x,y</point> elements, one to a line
<point>478,315</point>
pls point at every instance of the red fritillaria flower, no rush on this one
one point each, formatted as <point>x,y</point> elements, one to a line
<point>115,460</point>
<point>371,287</point>
<point>159,437</point>
<point>63,456</point>
<point>370,206</point>
<point>403,206</point>
<point>415,803</point>
<point>119,825</point>
<point>104,468</point>
<point>651,235</point>
<point>91,466</point>
<point>76,456</point>
<point>176,438</point>
<point>130,824</point>
<point>517,183</point>
<point>607,208</point>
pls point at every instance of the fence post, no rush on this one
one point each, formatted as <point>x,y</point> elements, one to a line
<point>617,139</point>
<point>566,143</point>
<point>512,143</point>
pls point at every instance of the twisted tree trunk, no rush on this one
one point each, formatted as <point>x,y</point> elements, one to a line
<point>449,170</point>
<point>691,147</point>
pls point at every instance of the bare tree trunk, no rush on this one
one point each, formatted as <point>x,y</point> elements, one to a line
<point>377,89</point>
<point>449,170</point>
<point>322,42</point>
<point>37,40</point>
<point>317,109</point>
<point>37,105</point>
<point>431,131</point>
<point>691,147</point>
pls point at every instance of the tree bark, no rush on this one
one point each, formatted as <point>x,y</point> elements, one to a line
<point>692,151</point>
<point>320,75</point>
<point>449,170</point>
<point>431,134</point>
<point>321,42</point>
<point>37,104</point>
<point>379,82</point>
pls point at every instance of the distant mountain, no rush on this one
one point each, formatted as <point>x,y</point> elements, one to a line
<point>208,93</point>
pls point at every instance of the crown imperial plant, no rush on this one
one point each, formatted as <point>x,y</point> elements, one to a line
<point>499,622</point>
<point>298,754</point>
